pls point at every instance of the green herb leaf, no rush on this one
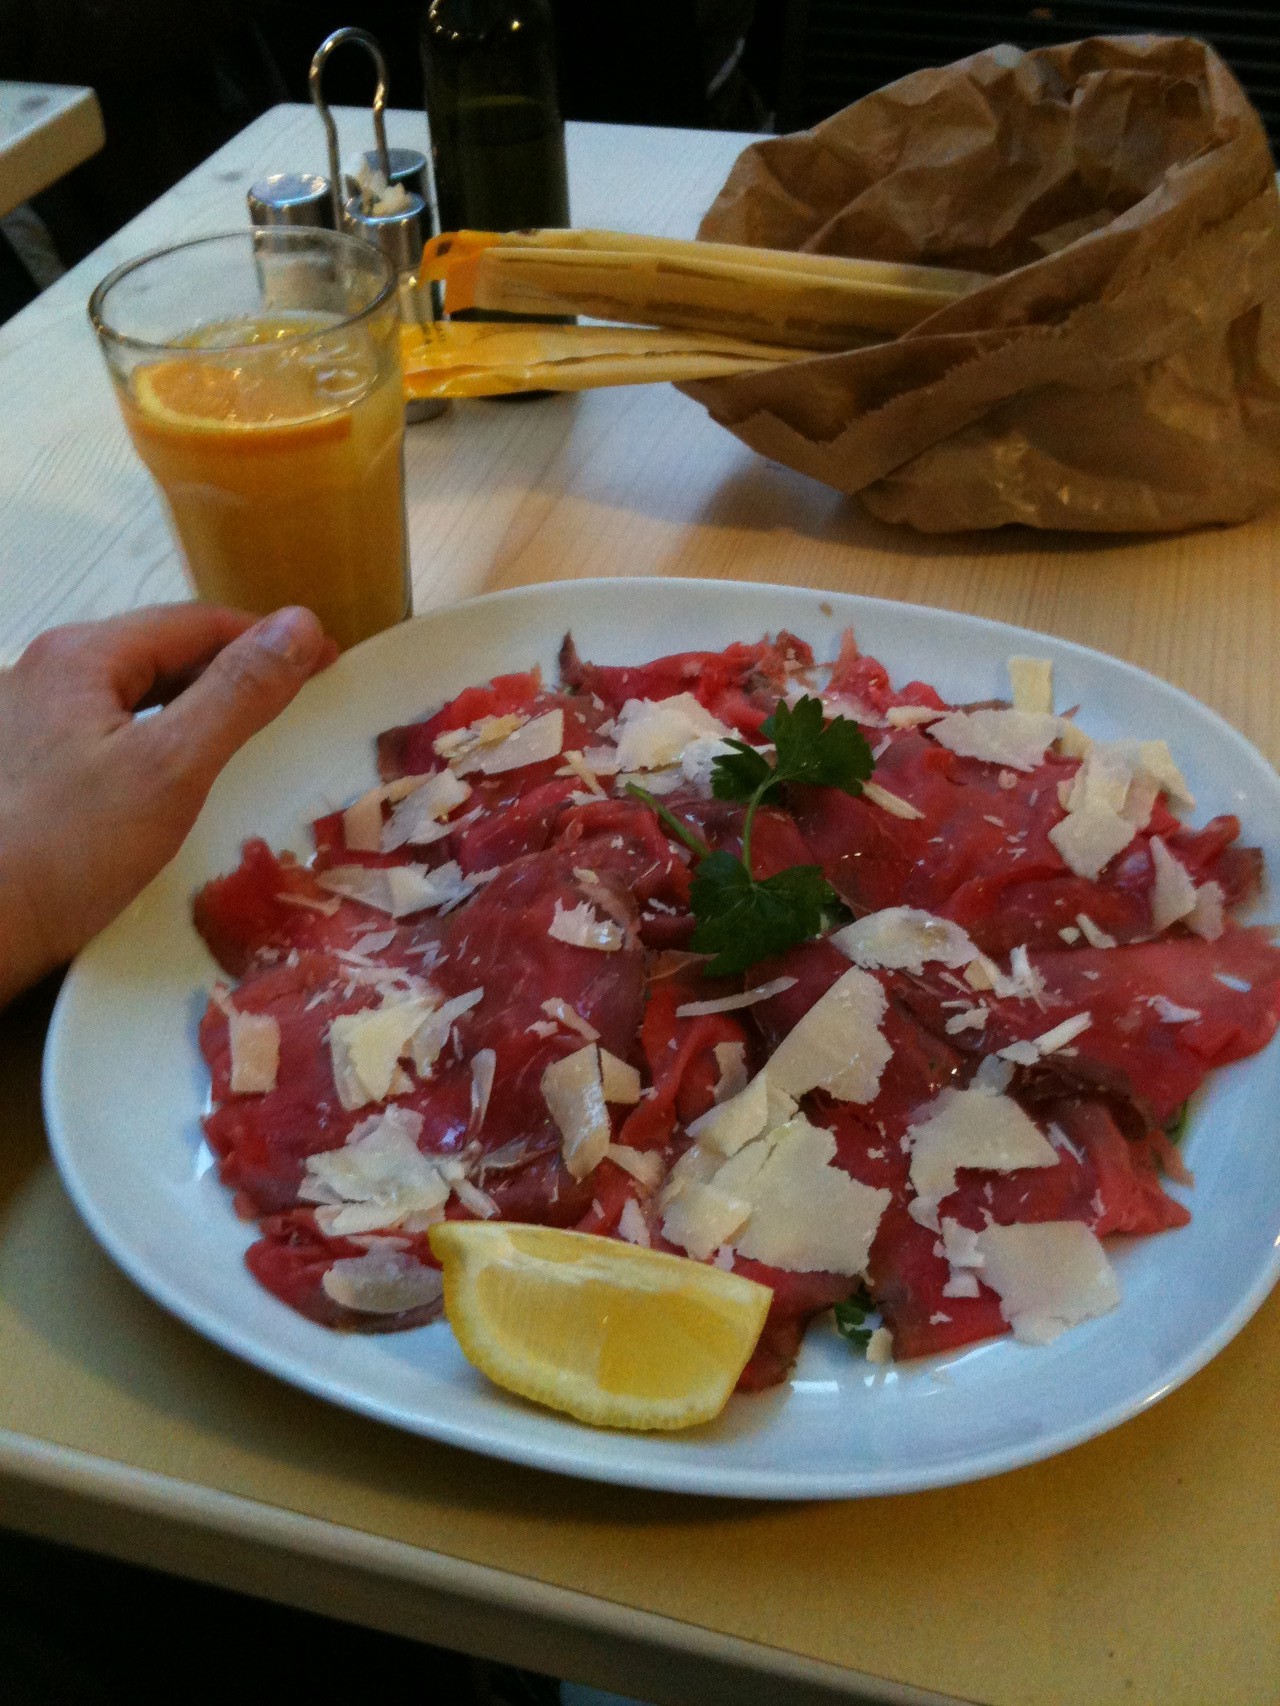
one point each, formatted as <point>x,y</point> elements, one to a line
<point>736,775</point>
<point>742,920</point>
<point>851,1318</point>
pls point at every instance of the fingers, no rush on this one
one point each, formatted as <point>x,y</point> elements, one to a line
<point>134,654</point>
<point>245,685</point>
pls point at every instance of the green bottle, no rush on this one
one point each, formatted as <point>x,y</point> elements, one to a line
<point>497,137</point>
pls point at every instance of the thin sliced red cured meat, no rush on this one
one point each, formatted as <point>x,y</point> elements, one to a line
<point>540,842</point>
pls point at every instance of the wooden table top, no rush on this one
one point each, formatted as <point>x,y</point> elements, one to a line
<point>1139,1566</point>
<point>46,129</point>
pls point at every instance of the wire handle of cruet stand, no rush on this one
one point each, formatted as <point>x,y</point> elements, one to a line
<point>319,59</point>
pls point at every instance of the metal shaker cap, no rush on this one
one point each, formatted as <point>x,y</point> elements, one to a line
<point>291,198</point>
<point>398,235</point>
<point>408,167</point>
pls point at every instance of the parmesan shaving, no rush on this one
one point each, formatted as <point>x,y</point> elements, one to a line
<point>365,1048</point>
<point>891,803</point>
<point>1049,1276</point>
<point>1173,894</point>
<point>902,938</point>
<point>653,733</point>
<point>582,927</point>
<point>620,1081</point>
<point>567,1016</point>
<point>383,1283</point>
<point>1207,917</point>
<point>418,819</point>
<point>645,1166</point>
<point>435,1030</point>
<point>1018,739</point>
<point>911,716</point>
<point>397,889</point>
<point>255,1052</point>
<point>1032,682</point>
<point>1095,937</point>
<point>976,1127</point>
<point>732,1003</point>
<point>484,1063</point>
<point>574,1094</point>
<point>531,742</point>
<point>731,1059</point>
<point>837,1046</point>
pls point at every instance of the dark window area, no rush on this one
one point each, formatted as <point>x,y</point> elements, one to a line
<point>833,51</point>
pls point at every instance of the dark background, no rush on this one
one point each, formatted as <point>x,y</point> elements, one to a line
<point>175,81</point>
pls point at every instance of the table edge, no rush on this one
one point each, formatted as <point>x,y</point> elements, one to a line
<point>239,1543</point>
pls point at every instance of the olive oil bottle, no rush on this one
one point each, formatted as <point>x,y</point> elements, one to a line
<point>497,137</point>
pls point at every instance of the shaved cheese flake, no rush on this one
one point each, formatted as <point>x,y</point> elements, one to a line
<point>880,1346</point>
<point>969,1128</point>
<point>894,804</point>
<point>1089,840</point>
<point>377,1180</point>
<point>732,1003</point>
<point>309,902</point>
<point>632,1224</point>
<point>1207,917</point>
<point>362,823</point>
<point>837,1046</point>
<point>620,1080</point>
<point>808,1215</point>
<point>374,941</point>
<point>726,1127</point>
<point>484,1064</point>
<point>971,1019</point>
<point>1018,739</point>
<point>1095,937</point>
<point>1049,1276</point>
<point>383,1282</point>
<point>365,1048</point>
<point>704,1201</point>
<point>433,1033</point>
<point>574,1094</point>
<point>731,1060</point>
<point>902,938</point>
<point>1158,762</point>
<point>911,716</point>
<point>255,1052</point>
<point>567,1016</point>
<point>531,742</point>
<point>479,1202</point>
<point>603,760</point>
<point>1032,682</point>
<point>418,819</point>
<point>397,889</point>
<point>1048,1042</point>
<point>582,927</point>
<point>1173,894</point>
<point>1072,741</point>
<point>653,733</point>
<point>1170,1011</point>
<point>645,1166</point>
<point>576,765</point>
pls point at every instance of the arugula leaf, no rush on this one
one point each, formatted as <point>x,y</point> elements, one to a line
<point>851,1318</point>
<point>742,919</point>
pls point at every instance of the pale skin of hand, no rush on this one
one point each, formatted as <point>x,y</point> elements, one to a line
<point>95,800</point>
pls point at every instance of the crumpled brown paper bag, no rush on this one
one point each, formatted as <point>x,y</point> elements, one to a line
<point>1122,372</point>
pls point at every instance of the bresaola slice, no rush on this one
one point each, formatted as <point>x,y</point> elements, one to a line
<point>561,899</point>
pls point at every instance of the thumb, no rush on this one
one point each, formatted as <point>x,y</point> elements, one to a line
<point>246,685</point>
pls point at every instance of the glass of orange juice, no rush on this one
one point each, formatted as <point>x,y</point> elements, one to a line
<point>259,377</point>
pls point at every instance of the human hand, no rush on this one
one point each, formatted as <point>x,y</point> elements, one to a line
<point>95,800</point>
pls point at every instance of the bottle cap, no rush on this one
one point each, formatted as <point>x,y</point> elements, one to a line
<point>291,198</point>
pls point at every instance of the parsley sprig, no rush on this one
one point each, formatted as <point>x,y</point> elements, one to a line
<point>742,918</point>
<point>851,1319</point>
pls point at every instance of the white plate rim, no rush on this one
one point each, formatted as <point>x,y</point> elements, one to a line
<point>623,1458</point>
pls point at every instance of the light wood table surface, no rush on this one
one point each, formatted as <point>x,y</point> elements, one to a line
<point>46,129</point>
<point>1140,1567</point>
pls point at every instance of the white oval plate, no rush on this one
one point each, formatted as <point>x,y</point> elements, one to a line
<point>125,1086</point>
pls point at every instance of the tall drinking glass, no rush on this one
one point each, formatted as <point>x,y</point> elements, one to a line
<point>259,377</point>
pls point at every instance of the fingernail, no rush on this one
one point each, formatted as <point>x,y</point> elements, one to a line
<point>289,633</point>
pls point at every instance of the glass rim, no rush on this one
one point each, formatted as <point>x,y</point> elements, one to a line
<point>342,239</point>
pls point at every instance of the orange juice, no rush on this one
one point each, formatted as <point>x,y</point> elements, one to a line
<point>278,445</point>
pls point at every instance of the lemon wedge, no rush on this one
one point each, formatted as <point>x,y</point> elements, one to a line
<point>615,1335</point>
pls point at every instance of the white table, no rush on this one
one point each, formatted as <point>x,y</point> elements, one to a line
<point>46,129</point>
<point>1138,1567</point>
